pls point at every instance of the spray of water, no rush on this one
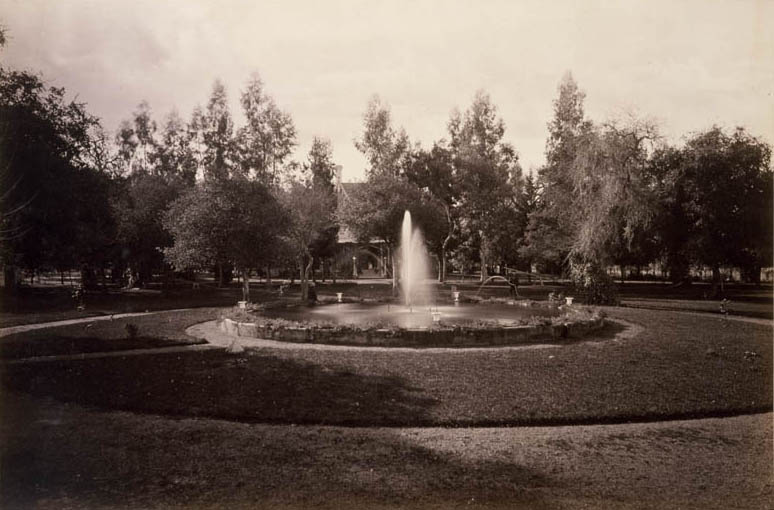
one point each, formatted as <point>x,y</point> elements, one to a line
<point>413,262</point>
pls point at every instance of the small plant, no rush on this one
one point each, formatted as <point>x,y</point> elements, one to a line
<point>132,330</point>
<point>77,295</point>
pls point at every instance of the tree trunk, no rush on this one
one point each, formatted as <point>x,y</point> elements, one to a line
<point>302,280</point>
<point>305,271</point>
<point>220,275</point>
<point>484,272</point>
<point>449,234</point>
<point>716,282</point>
<point>10,277</point>
<point>268,275</point>
<point>394,274</point>
<point>245,284</point>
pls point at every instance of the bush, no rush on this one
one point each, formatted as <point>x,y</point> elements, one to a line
<point>594,284</point>
<point>132,330</point>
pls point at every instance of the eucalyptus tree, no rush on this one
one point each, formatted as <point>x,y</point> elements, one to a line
<point>322,170</point>
<point>386,149</point>
<point>487,171</point>
<point>551,227</point>
<point>434,172</point>
<point>268,137</point>
<point>157,167</point>
<point>213,127</point>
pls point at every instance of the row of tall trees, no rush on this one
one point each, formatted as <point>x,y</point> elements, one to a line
<point>177,195</point>
<point>206,193</point>
<point>466,193</point>
<point>610,193</point>
<point>616,193</point>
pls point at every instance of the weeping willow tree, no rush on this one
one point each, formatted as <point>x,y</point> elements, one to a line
<point>613,202</point>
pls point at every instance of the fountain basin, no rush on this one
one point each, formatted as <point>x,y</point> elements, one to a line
<point>395,326</point>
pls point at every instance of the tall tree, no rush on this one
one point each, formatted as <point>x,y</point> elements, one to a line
<point>215,129</point>
<point>268,137</point>
<point>225,221</point>
<point>375,209</point>
<point>311,208</point>
<point>433,171</point>
<point>322,170</point>
<point>156,170</point>
<point>613,201</point>
<point>46,149</point>
<point>385,148</point>
<point>136,140</point>
<point>488,172</point>
<point>529,204</point>
<point>175,158</point>
<point>551,227</point>
<point>724,186</point>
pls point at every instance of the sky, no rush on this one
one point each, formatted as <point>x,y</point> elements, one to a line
<point>684,64</point>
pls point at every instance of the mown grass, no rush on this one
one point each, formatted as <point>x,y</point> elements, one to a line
<point>55,456</point>
<point>158,330</point>
<point>678,366</point>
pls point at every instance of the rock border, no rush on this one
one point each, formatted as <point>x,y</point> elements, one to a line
<point>458,336</point>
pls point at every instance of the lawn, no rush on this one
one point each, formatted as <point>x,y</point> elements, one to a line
<point>46,304</point>
<point>55,456</point>
<point>157,330</point>
<point>678,366</point>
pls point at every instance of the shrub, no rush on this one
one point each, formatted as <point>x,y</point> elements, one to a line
<point>593,283</point>
<point>132,330</point>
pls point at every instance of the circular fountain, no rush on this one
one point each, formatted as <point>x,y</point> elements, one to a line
<point>421,319</point>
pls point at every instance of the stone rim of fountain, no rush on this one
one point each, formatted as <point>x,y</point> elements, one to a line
<point>559,330</point>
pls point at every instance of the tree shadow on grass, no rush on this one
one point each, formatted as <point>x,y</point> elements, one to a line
<point>252,387</point>
<point>20,346</point>
<point>64,454</point>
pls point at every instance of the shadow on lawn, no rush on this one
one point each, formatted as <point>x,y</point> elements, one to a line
<point>21,347</point>
<point>62,454</point>
<point>252,387</point>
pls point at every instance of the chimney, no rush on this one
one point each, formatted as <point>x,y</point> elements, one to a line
<point>337,177</point>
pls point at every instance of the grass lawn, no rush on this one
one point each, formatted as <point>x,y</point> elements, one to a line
<point>157,330</point>
<point>679,366</point>
<point>55,456</point>
<point>46,304</point>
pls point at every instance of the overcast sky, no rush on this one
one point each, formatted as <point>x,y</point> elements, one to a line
<point>686,64</point>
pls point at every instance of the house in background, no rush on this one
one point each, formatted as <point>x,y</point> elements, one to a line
<point>357,259</point>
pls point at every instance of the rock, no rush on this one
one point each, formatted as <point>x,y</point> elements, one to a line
<point>234,347</point>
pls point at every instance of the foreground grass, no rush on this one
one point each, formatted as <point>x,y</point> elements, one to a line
<point>55,456</point>
<point>678,366</point>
